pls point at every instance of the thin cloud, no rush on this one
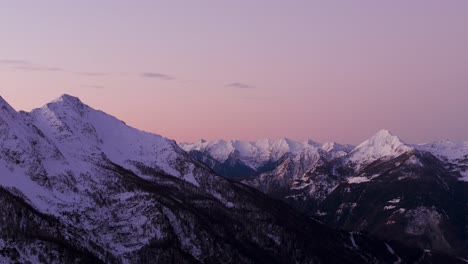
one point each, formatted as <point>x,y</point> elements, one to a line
<point>157,76</point>
<point>14,62</point>
<point>38,68</point>
<point>30,66</point>
<point>257,98</point>
<point>240,85</point>
<point>92,86</point>
<point>96,74</point>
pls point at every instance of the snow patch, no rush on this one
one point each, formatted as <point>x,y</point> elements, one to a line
<point>394,201</point>
<point>353,242</point>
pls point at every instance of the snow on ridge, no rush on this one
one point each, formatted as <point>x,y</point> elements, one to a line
<point>449,151</point>
<point>67,98</point>
<point>256,153</point>
<point>335,149</point>
<point>81,130</point>
<point>357,179</point>
<point>219,149</point>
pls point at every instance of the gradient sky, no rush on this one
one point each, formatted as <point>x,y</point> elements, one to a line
<point>324,70</point>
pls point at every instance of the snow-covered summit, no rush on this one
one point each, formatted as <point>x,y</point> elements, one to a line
<point>69,99</point>
<point>68,103</point>
<point>381,145</point>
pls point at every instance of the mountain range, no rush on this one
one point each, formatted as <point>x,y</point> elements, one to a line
<point>80,186</point>
<point>414,194</point>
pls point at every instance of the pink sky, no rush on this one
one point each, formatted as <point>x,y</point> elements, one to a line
<point>324,70</point>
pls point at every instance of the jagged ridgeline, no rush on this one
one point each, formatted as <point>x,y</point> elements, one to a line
<point>414,194</point>
<point>80,186</point>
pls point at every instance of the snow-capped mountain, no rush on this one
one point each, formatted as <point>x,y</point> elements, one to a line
<point>454,154</point>
<point>262,155</point>
<point>415,194</point>
<point>382,145</point>
<point>80,186</point>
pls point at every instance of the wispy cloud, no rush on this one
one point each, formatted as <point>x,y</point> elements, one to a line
<point>25,65</point>
<point>28,66</point>
<point>240,85</point>
<point>95,74</point>
<point>14,62</point>
<point>257,98</point>
<point>92,86</point>
<point>157,76</point>
<point>37,68</point>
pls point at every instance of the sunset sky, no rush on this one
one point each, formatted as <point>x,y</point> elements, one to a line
<point>248,69</point>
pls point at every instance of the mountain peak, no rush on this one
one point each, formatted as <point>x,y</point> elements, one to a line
<point>381,145</point>
<point>382,138</point>
<point>69,99</point>
<point>383,133</point>
<point>67,102</point>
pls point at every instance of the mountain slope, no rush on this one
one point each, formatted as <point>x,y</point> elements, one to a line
<point>411,199</point>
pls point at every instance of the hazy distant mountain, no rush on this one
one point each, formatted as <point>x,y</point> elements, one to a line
<point>260,156</point>
<point>80,186</point>
<point>415,194</point>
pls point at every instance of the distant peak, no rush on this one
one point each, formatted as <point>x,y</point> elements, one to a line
<point>381,144</point>
<point>202,141</point>
<point>383,133</point>
<point>314,143</point>
<point>383,137</point>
